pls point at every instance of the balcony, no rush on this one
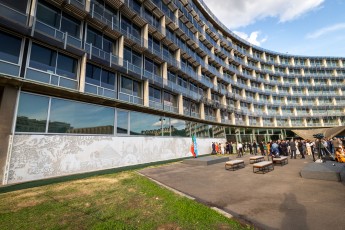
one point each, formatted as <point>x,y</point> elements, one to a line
<point>102,56</point>
<point>155,105</point>
<point>155,78</point>
<point>8,68</point>
<point>63,38</point>
<point>130,98</point>
<point>13,19</point>
<point>50,78</point>
<point>101,91</point>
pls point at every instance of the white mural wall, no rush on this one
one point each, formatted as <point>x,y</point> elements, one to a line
<point>35,157</point>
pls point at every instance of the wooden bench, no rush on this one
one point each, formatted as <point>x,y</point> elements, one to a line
<point>263,166</point>
<point>282,161</point>
<point>255,159</point>
<point>234,164</point>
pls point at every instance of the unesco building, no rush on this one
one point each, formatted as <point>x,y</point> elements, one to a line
<point>89,85</point>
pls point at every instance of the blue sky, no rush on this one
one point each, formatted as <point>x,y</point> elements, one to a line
<point>300,27</point>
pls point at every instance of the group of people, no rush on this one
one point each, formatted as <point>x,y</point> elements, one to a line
<point>278,148</point>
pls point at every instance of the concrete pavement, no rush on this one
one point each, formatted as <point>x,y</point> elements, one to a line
<point>280,199</point>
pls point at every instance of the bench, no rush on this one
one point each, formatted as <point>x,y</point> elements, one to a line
<point>255,159</point>
<point>263,166</point>
<point>234,164</point>
<point>282,161</point>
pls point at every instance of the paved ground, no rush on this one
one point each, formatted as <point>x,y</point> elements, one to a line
<point>280,199</point>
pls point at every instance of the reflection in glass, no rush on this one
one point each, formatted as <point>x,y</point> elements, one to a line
<point>32,113</point>
<point>178,128</point>
<point>9,47</point>
<point>75,117</point>
<point>42,58</point>
<point>122,122</point>
<point>218,131</point>
<point>145,124</point>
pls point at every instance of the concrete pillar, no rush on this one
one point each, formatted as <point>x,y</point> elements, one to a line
<point>145,35</point>
<point>82,73</point>
<point>178,57</point>
<point>208,93</point>
<point>164,67</point>
<point>202,111</point>
<point>340,63</point>
<point>250,51</point>
<point>120,49</point>
<point>289,122</point>
<point>87,5</point>
<point>261,122</point>
<point>275,122</point>
<point>292,61</point>
<point>232,117</point>
<point>8,101</point>
<point>162,24</point>
<point>32,12</point>
<point>278,59</point>
<point>180,104</point>
<point>322,122</point>
<point>176,12</point>
<point>146,93</point>
<point>218,117</point>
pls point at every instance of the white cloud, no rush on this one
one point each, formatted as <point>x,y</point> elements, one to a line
<point>253,38</point>
<point>240,13</point>
<point>326,30</point>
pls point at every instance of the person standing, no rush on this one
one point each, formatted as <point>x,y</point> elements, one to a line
<point>300,148</point>
<point>239,149</point>
<point>255,148</point>
<point>261,147</point>
<point>293,149</point>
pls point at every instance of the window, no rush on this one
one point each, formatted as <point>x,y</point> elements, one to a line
<point>122,122</point>
<point>145,124</point>
<point>98,40</point>
<point>152,67</point>
<point>52,16</point>
<point>169,99</point>
<point>52,61</point>
<point>155,94</point>
<point>32,113</point>
<point>132,57</point>
<point>17,5</point>
<point>76,117</point>
<point>130,86</point>
<point>9,47</point>
<point>100,77</point>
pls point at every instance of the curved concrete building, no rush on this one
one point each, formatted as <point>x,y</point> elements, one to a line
<point>89,85</point>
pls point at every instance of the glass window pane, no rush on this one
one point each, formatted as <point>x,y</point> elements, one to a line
<point>32,113</point>
<point>122,122</point>
<point>70,25</point>
<point>136,89</point>
<point>76,117</point>
<point>42,58</point>
<point>93,74</point>
<point>48,15</point>
<point>145,124</point>
<point>66,66</point>
<point>127,54</point>
<point>148,65</point>
<point>136,59</point>
<point>126,85</point>
<point>9,47</point>
<point>108,80</point>
<point>178,128</point>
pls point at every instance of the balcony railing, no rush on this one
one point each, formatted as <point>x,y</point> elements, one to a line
<point>8,68</point>
<point>155,104</point>
<point>130,98</point>
<point>50,78</point>
<point>13,15</point>
<point>63,37</point>
<point>111,20</point>
<point>101,91</point>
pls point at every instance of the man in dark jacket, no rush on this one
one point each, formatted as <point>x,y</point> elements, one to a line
<point>293,148</point>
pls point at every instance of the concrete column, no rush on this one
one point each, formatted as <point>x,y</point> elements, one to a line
<point>178,57</point>
<point>339,121</point>
<point>322,122</point>
<point>307,62</point>
<point>146,93</point>
<point>275,122</point>
<point>218,117</point>
<point>162,24</point>
<point>199,70</point>
<point>232,118</point>
<point>259,65</point>
<point>289,121</point>
<point>246,120</point>
<point>82,75</point>
<point>215,81</point>
<point>8,101</point>
<point>292,61</point>
<point>263,56</point>
<point>261,122</point>
<point>208,93</point>
<point>305,122</point>
<point>324,62</point>
<point>223,100</point>
<point>278,59</point>
<point>32,12</point>
<point>87,5</point>
<point>240,68</point>
<point>176,12</point>
<point>245,60</point>
<point>302,72</point>
<point>164,67</point>
<point>202,111</point>
<point>250,51</point>
<point>340,63</point>
<point>120,49</point>
<point>180,104</point>
<point>145,35</point>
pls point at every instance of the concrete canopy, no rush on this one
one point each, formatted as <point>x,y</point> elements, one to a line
<point>307,134</point>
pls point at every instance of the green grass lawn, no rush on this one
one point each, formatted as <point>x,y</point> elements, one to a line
<point>122,200</point>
